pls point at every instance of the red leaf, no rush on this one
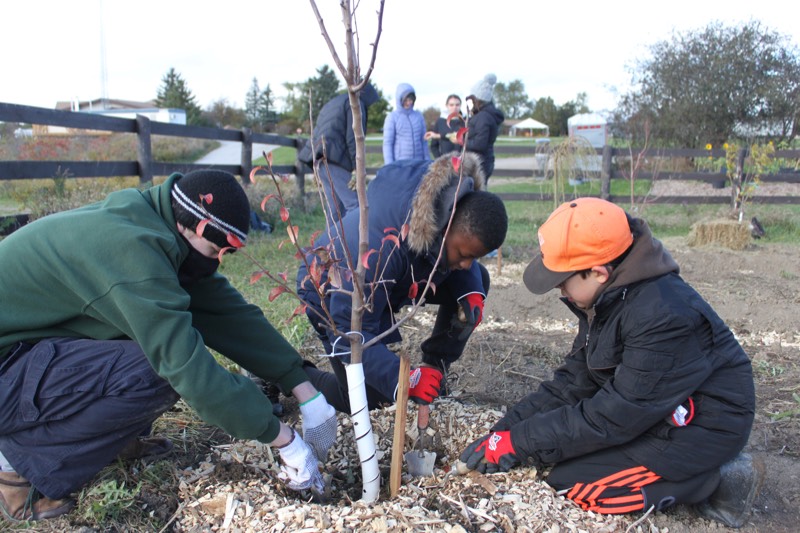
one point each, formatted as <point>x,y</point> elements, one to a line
<point>293,231</point>
<point>201,227</point>
<point>266,199</point>
<point>298,254</point>
<point>335,276</point>
<point>284,214</point>
<point>314,236</point>
<point>277,291</point>
<point>234,241</point>
<point>257,276</point>
<point>207,198</point>
<point>224,251</point>
<point>253,174</point>
<point>412,291</point>
<point>404,232</point>
<point>392,238</point>
<point>269,159</point>
<point>432,285</point>
<point>283,276</point>
<point>299,310</point>
<point>451,116</point>
<point>365,257</point>
<point>456,163</point>
<point>315,271</point>
<point>387,230</point>
<point>460,135</point>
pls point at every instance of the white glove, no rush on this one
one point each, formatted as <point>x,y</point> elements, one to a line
<point>299,470</point>
<point>319,425</point>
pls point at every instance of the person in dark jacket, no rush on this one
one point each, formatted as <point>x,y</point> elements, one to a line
<point>332,151</point>
<point>484,124</point>
<point>419,196</point>
<point>442,137</point>
<point>107,314</point>
<point>655,401</point>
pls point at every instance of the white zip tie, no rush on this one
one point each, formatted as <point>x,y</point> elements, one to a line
<point>334,353</point>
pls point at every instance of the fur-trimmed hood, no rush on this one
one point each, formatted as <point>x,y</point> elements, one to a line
<point>433,201</point>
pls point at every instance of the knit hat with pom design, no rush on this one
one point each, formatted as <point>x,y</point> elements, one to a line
<point>484,89</point>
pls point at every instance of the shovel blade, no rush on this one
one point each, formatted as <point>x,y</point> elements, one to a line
<point>420,463</point>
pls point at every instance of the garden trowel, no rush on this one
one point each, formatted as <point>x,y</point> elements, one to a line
<point>420,461</point>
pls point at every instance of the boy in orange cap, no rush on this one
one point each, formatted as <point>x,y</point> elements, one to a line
<point>654,402</point>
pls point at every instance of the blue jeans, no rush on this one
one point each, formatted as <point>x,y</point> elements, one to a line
<point>71,405</point>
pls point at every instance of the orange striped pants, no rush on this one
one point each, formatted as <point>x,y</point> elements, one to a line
<point>606,483</point>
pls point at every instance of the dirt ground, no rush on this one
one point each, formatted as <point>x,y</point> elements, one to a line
<point>757,292</point>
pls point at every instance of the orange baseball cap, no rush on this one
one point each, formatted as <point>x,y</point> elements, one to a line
<point>578,235</point>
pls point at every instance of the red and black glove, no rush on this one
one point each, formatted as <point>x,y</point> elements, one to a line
<point>492,453</point>
<point>424,385</point>
<point>472,310</point>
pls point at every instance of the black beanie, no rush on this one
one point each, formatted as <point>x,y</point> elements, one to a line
<point>228,210</point>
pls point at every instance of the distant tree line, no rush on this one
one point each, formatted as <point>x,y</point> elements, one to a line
<point>701,87</point>
<point>260,111</point>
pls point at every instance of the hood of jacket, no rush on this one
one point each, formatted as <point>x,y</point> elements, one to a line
<point>369,95</point>
<point>647,258</point>
<point>433,201</point>
<point>488,109</point>
<point>403,90</point>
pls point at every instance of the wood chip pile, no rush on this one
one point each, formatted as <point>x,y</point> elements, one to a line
<point>236,488</point>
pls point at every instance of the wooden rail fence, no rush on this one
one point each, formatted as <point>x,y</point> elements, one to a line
<point>145,167</point>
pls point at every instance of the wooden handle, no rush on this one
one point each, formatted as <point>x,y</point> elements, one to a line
<point>399,439</point>
<point>423,417</point>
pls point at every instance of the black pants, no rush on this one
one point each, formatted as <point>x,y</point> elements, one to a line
<point>608,482</point>
<point>71,405</point>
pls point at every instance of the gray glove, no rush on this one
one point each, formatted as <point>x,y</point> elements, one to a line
<point>319,425</point>
<point>299,470</point>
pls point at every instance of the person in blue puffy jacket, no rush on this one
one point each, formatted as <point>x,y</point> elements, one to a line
<point>419,195</point>
<point>404,129</point>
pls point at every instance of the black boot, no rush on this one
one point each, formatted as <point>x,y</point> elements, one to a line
<point>731,502</point>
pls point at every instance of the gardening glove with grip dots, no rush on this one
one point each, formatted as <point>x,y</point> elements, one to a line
<point>424,385</point>
<point>470,313</point>
<point>299,470</point>
<point>319,425</point>
<point>492,453</point>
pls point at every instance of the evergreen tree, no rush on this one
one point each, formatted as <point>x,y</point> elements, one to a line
<point>266,109</point>
<point>251,105</point>
<point>174,93</point>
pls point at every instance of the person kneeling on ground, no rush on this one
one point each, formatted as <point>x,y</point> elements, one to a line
<point>107,312</point>
<point>421,195</point>
<point>655,401</point>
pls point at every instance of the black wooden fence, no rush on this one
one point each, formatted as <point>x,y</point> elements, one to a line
<point>145,167</point>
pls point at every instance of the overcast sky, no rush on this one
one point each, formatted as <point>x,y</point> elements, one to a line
<point>52,50</point>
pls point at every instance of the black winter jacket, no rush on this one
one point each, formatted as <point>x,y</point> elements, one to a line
<point>483,129</point>
<point>443,146</point>
<point>334,129</point>
<point>652,343</point>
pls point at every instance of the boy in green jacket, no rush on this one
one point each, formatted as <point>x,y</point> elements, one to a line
<point>106,314</point>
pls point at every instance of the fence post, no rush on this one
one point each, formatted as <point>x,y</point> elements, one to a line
<point>299,176</point>
<point>144,150</point>
<point>247,155</point>
<point>605,172</point>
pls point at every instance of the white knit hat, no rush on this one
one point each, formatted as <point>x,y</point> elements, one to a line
<point>484,89</point>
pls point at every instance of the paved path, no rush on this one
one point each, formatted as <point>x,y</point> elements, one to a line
<point>230,153</point>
